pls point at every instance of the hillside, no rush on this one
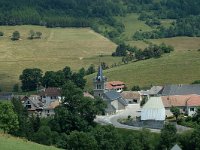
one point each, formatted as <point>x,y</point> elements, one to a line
<point>59,47</point>
<point>180,66</point>
<point>8,142</point>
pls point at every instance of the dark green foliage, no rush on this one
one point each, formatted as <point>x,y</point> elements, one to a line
<point>196,82</point>
<point>81,141</point>
<point>196,116</point>
<point>175,111</point>
<point>135,88</point>
<point>76,112</point>
<point>15,36</point>
<point>16,88</point>
<point>144,100</point>
<point>153,51</point>
<point>90,70</point>
<point>30,79</point>
<point>168,136</point>
<point>34,35</point>
<point>1,33</point>
<point>121,50</point>
<point>8,118</point>
<point>107,137</point>
<point>104,66</point>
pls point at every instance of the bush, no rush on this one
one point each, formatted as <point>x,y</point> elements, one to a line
<point>1,33</point>
<point>15,36</point>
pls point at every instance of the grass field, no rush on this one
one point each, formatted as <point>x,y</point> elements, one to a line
<point>178,67</point>
<point>132,24</point>
<point>59,47</point>
<point>8,142</point>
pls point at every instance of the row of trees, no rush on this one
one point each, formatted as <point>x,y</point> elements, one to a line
<point>133,53</point>
<point>183,27</point>
<point>31,79</point>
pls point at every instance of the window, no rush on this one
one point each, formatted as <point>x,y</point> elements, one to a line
<point>44,96</point>
<point>98,86</point>
<point>191,109</point>
<point>28,106</point>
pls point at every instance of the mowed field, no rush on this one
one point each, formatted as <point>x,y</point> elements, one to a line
<point>58,47</point>
<point>180,66</point>
<point>8,142</point>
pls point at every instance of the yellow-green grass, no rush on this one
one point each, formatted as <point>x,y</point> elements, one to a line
<point>132,24</point>
<point>179,43</point>
<point>174,68</point>
<point>8,142</point>
<point>59,47</point>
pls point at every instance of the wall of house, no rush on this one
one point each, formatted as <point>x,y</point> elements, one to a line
<point>47,112</point>
<point>49,99</point>
<point>191,111</point>
<point>117,105</point>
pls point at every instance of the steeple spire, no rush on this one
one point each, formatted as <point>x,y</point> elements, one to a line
<point>100,74</point>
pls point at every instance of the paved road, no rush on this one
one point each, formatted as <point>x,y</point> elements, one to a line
<point>132,110</point>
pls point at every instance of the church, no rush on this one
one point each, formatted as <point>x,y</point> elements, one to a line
<point>114,100</point>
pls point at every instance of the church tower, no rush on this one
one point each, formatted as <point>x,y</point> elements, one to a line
<point>99,83</point>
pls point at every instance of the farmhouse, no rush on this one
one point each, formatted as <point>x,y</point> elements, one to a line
<point>118,86</point>
<point>186,103</point>
<point>115,102</point>
<point>131,97</point>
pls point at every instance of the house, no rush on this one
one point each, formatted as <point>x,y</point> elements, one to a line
<point>153,110</point>
<point>186,103</point>
<point>131,97</point>
<point>176,147</point>
<point>33,105</point>
<point>50,94</point>
<point>155,91</point>
<point>118,86</point>
<point>181,89</point>
<point>114,100</point>
<point>48,110</point>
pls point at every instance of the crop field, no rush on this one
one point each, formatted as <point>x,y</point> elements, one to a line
<point>58,47</point>
<point>8,142</point>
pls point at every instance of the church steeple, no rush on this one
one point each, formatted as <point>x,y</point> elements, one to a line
<point>99,82</point>
<point>100,76</point>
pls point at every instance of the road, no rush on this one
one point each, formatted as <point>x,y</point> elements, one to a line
<point>132,110</point>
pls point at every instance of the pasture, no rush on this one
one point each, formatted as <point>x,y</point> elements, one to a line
<point>58,47</point>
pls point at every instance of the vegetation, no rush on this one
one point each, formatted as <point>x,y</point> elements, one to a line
<point>15,36</point>
<point>175,111</point>
<point>56,49</point>
<point>7,142</point>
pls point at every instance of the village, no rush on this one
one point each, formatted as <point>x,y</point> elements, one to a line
<point>125,109</point>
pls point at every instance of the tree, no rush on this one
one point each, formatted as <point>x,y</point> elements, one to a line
<point>76,112</point>
<point>168,136</point>
<point>90,70</point>
<point>38,35</point>
<point>196,116</point>
<point>31,79</point>
<point>175,111</point>
<point>16,88</point>
<point>81,141</point>
<point>8,118</point>
<point>107,137</point>
<point>31,34</point>
<point>15,35</point>
<point>135,88</point>
<point>1,33</point>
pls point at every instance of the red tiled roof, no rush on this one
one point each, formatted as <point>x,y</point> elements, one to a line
<point>115,85</point>
<point>194,101</point>
<point>180,100</point>
<point>51,91</point>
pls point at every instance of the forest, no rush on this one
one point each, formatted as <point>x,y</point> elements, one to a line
<point>94,13</point>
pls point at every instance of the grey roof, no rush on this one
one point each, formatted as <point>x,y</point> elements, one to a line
<point>176,147</point>
<point>181,89</point>
<point>112,95</point>
<point>110,108</point>
<point>155,90</point>
<point>154,103</point>
<point>100,76</point>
